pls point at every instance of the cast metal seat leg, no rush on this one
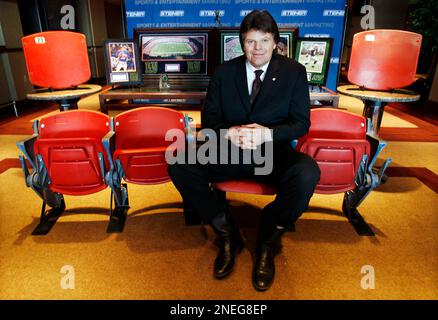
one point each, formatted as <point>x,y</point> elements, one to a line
<point>118,215</point>
<point>49,218</point>
<point>356,220</point>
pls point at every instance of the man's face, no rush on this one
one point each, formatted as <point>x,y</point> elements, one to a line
<point>258,47</point>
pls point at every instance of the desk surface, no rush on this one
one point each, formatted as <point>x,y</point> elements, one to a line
<point>80,91</point>
<point>381,96</point>
<point>151,93</point>
<point>124,98</point>
<point>189,93</point>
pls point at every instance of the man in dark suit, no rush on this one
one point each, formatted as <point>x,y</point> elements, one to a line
<point>259,101</point>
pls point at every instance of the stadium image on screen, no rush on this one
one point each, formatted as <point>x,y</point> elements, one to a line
<point>231,47</point>
<point>172,47</point>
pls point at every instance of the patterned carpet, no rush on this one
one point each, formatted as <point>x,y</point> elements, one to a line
<point>158,257</point>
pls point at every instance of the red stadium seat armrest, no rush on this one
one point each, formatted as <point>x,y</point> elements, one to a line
<point>109,145</point>
<point>190,132</point>
<point>26,147</point>
<point>378,145</point>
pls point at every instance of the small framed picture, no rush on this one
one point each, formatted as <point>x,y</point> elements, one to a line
<point>314,54</point>
<point>286,43</point>
<point>121,62</point>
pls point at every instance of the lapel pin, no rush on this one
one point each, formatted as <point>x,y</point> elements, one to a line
<point>273,79</point>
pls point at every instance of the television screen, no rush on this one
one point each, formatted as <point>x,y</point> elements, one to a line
<point>231,48</point>
<point>173,48</point>
<point>173,51</point>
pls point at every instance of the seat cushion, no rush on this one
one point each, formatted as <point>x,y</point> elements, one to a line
<point>72,164</point>
<point>245,186</point>
<point>143,165</point>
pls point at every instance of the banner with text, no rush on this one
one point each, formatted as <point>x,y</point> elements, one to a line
<point>314,18</point>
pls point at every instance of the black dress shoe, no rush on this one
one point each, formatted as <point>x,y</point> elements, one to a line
<point>229,247</point>
<point>264,269</point>
<point>230,244</point>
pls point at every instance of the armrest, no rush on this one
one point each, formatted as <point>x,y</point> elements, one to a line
<point>377,145</point>
<point>26,147</point>
<point>109,144</point>
<point>190,133</point>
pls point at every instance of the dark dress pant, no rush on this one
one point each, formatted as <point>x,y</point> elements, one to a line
<point>294,174</point>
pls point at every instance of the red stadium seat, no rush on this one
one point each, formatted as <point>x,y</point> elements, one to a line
<point>67,157</point>
<point>70,144</point>
<point>141,144</point>
<point>56,59</point>
<point>337,140</point>
<point>58,62</point>
<point>140,147</point>
<point>384,59</point>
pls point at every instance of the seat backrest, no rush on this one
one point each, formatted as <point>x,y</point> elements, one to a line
<point>141,142</point>
<point>69,144</point>
<point>383,59</point>
<point>334,123</point>
<point>337,141</point>
<point>56,59</point>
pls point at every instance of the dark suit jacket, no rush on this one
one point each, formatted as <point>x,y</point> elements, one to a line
<point>283,103</point>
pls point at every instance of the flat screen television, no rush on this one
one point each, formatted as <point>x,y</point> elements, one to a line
<point>182,54</point>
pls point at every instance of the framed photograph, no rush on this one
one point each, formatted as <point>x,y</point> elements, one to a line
<point>231,48</point>
<point>184,55</point>
<point>314,54</point>
<point>168,47</point>
<point>287,42</point>
<point>174,52</point>
<point>122,62</point>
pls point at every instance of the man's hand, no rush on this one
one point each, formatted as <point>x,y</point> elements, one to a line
<point>233,135</point>
<point>249,136</point>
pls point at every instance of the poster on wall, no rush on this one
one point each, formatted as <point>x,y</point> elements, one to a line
<point>314,19</point>
<point>121,62</point>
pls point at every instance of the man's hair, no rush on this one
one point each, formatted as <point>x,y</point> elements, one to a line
<point>259,20</point>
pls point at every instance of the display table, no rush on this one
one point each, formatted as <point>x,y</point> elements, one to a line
<point>322,96</point>
<point>129,98</point>
<point>375,101</point>
<point>67,98</point>
<point>191,98</point>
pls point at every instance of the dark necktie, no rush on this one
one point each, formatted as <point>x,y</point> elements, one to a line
<point>256,85</point>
